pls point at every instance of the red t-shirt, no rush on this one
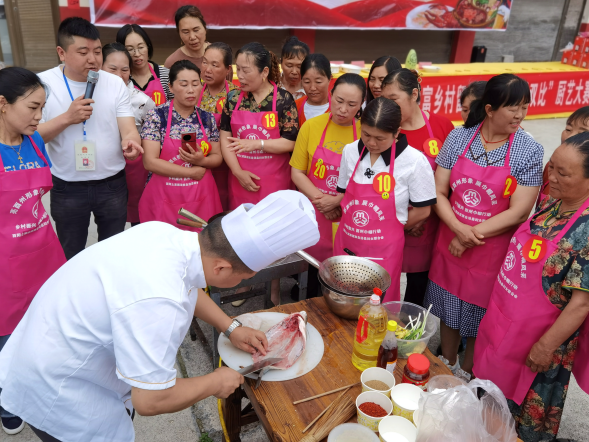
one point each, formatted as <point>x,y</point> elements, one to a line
<point>441,127</point>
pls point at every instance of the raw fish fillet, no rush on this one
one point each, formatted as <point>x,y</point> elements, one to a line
<point>287,340</point>
<point>251,321</point>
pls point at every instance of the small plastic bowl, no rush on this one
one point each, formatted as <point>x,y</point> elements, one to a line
<point>416,415</point>
<point>443,382</point>
<point>378,374</point>
<point>377,398</point>
<point>354,432</point>
<point>400,311</point>
<point>405,398</point>
<point>396,428</point>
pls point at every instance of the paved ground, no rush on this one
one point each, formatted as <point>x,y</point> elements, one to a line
<point>194,360</point>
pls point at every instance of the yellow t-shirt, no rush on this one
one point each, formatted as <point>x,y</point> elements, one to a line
<point>310,135</point>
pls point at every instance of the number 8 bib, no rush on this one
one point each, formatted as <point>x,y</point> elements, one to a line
<point>432,147</point>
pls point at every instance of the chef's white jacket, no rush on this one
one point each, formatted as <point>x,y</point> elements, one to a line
<point>111,318</point>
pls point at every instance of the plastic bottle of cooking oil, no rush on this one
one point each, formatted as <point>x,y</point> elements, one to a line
<point>371,330</point>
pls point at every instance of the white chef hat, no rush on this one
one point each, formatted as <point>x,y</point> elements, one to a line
<point>282,223</point>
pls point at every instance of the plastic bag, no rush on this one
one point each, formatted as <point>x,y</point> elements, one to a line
<point>458,415</point>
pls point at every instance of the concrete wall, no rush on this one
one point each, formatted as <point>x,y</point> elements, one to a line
<point>533,30</point>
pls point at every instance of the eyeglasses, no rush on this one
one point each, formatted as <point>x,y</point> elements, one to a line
<point>138,49</point>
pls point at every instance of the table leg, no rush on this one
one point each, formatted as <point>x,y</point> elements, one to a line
<point>303,280</point>
<point>232,415</point>
<point>268,298</point>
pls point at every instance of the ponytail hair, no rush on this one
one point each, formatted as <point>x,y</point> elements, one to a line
<point>262,58</point>
<point>407,80</point>
<point>383,114</point>
<point>390,63</point>
<point>501,91</point>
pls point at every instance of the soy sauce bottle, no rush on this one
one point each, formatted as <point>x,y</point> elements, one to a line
<point>387,353</point>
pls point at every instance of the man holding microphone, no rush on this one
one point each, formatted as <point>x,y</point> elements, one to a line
<point>87,139</point>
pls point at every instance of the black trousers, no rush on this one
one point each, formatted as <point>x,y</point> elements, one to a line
<point>72,203</point>
<point>416,287</point>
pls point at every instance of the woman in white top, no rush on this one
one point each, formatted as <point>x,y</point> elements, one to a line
<point>118,61</point>
<point>388,176</point>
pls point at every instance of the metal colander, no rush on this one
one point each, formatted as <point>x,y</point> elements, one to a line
<point>350,275</point>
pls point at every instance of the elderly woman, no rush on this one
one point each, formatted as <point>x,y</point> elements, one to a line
<point>536,331</point>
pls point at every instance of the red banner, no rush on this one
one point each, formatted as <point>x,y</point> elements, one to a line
<point>551,92</point>
<point>318,14</point>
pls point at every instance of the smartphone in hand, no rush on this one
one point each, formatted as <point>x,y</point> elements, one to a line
<point>188,138</point>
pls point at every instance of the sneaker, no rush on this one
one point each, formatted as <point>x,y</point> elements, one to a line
<point>12,425</point>
<point>453,368</point>
<point>238,303</point>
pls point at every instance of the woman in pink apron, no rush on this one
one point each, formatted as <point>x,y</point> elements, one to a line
<point>181,175</point>
<point>292,55</point>
<point>216,65</point>
<point>118,61</point>
<point>487,181</point>
<point>426,133</point>
<point>31,252</point>
<point>379,174</point>
<point>380,69</point>
<point>259,127</point>
<point>536,329</point>
<point>577,122</point>
<point>316,162</point>
<point>147,76</point>
<point>316,75</point>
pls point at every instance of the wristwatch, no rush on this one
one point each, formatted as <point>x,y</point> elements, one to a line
<point>232,327</point>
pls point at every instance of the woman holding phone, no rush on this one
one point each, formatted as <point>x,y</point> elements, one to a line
<point>181,144</point>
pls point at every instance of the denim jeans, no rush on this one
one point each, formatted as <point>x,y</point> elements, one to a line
<point>73,202</point>
<point>3,412</point>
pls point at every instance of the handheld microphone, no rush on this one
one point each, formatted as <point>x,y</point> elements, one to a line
<point>92,80</point>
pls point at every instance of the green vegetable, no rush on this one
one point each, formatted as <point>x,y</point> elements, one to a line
<point>415,328</point>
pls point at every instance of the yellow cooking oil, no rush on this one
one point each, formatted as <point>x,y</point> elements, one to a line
<point>370,332</point>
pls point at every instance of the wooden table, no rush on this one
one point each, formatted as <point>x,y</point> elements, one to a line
<point>272,401</point>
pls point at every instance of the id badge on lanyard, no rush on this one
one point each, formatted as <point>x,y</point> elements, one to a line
<point>84,149</point>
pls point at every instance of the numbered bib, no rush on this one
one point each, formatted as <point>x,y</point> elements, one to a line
<point>205,147</point>
<point>534,249</point>
<point>384,184</point>
<point>432,147</point>
<point>270,120</point>
<point>220,104</point>
<point>510,186</point>
<point>158,98</point>
<point>319,170</point>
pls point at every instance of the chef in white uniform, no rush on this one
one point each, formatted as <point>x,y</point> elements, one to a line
<point>103,332</point>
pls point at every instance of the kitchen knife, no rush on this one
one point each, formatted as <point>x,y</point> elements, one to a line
<point>259,365</point>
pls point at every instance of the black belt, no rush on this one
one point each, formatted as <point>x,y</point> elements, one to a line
<point>118,175</point>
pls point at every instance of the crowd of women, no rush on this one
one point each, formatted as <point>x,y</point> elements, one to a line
<point>447,206</point>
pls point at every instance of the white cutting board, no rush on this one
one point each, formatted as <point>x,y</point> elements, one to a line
<point>237,359</point>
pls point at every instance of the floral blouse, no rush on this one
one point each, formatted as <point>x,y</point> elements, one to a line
<point>156,121</point>
<point>567,269</point>
<point>288,117</point>
<point>209,102</point>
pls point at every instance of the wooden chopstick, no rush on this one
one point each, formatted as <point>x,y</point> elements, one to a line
<point>325,394</point>
<point>327,408</point>
<point>185,222</point>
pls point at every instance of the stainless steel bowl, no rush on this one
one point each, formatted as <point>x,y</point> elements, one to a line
<point>344,306</point>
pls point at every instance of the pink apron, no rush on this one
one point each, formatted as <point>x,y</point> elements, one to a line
<point>165,196</point>
<point>476,196</point>
<point>31,252</point>
<point>273,169</point>
<point>324,174</point>
<point>136,176</point>
<point>518,315</point>
<point>370,228</point>
<point>417,253</point>
<point>154,89</point>
<point>221,173</point>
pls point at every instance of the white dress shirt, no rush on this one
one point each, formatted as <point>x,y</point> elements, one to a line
<point>109,319</point>
<point>414,178</point>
